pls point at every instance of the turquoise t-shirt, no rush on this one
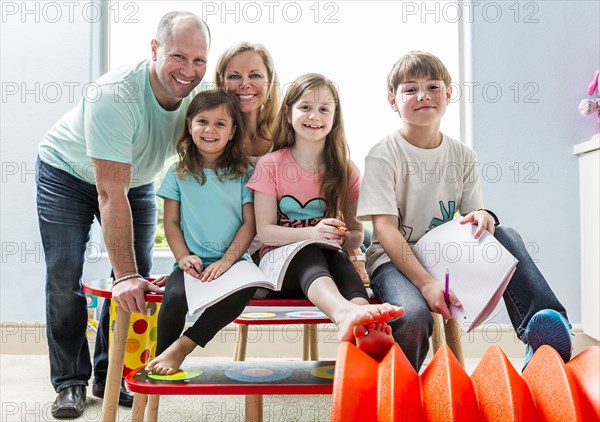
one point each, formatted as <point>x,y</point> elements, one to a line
<point>119,119</point>
<point>210,214</point>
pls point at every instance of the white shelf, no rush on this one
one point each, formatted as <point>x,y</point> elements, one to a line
<point>587,146</point>
<point>589,203</point>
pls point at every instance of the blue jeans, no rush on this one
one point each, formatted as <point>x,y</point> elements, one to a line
<point>527,293</point>
<point>66,209</point>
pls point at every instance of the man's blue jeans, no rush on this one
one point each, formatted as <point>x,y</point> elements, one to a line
<point>527,293</point>
<point>66,209</point>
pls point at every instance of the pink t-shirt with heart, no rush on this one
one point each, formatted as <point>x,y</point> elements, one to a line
<point>298,192</point>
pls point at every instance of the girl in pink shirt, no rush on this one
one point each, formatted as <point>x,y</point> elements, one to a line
<point>307,188</point>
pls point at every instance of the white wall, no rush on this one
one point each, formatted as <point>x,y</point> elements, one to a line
<point>559,54</point>
<point>45,64</point>
<point>551,52</point>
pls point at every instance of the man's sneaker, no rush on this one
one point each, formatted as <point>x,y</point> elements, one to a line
<point>551,328</point>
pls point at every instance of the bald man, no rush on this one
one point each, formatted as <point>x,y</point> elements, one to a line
<point>99,160</point>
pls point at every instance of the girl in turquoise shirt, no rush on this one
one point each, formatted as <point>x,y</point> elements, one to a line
<point>209,223</point>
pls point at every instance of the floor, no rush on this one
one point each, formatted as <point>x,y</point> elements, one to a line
<point>27,395</point>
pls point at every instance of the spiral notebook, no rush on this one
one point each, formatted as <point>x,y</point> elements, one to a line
<point>479,269</point>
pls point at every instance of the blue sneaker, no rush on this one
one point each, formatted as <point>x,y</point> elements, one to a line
<point>551,328</point>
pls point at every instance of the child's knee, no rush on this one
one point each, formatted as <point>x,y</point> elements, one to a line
<point>507,234</point>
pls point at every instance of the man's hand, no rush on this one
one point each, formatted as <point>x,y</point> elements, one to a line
<point>482,219</point>
<point>129,294</point>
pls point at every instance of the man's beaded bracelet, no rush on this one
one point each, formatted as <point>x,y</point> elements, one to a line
<point>125,277</point>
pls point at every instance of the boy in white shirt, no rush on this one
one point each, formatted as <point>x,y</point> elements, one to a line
<point>416,179</point>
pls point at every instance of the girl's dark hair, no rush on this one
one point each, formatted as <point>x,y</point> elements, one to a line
<point>336,153</point>
<point>232,163</point>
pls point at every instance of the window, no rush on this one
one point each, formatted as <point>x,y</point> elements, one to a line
<point>354,43</point>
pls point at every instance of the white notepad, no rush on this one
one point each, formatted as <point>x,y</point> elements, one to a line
<point>479,269</point>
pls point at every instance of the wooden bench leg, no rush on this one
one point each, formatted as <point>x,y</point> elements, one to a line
<point>310,348</point>
<point>116,356</point>
<point>453,332</point>
<point>314,344</point>
<point>254,408</point>
<point>242,341</point>
<point>152,412</point>
<point>306,342</point>
<point>139,407</point>
<point>436,338</point>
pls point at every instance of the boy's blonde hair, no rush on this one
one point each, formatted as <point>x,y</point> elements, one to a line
<point>268,112</point>
<point>417,64</point>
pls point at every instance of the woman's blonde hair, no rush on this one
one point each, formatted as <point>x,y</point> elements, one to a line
<point>336,152</point>
<point>232,163</point>
<point>268,111</point>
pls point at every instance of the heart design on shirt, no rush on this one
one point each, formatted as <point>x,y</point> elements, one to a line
<point>293,209</point>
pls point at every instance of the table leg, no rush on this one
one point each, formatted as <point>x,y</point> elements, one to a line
<point>116,357</point>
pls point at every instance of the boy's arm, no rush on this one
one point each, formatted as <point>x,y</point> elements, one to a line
<point>239,245</point>
<point>396,247</point>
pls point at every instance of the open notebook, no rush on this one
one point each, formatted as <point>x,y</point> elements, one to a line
<point>273,265</point>
<point>479,269</point>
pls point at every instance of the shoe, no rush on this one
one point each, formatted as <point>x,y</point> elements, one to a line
<point>69,403</point>
<point>551,328</point>
<point>125,396</point>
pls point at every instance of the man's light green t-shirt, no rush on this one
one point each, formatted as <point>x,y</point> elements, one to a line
<point>119,119</point>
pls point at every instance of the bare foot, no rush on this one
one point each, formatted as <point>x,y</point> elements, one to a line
<point>169,361</point>
<point>363,315</point>
<point>375,339</point>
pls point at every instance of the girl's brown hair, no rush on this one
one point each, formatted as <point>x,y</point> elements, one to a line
<point>268,111</point>
<point>336,153</point>
<point>232,163</point>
